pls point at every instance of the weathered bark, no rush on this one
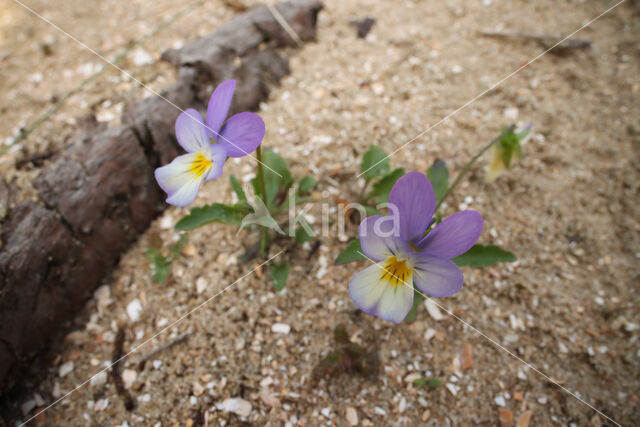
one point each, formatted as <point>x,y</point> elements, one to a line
<point>100,194</point>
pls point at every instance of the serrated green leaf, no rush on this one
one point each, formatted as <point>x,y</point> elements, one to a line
<point>438,174</point>
<point>352,253</point>
<point>260,215</point>
<point>279,274</point>
<point>306,184</point>
<point>216,212</point>
<point>374,162</point>
<point>417,300</point>
<point>160,265</point>
<point>484,256</point>
<point>176,248</point>
<point>237,188</point>
<point>382,188</point>
<point>302,236</point>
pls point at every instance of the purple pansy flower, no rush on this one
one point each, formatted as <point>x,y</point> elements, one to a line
<point>208,145</point>
<point>405,256</point>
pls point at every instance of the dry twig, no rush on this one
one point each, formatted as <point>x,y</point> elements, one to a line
<point>118,351</point>
<point>161,348</point>
<point>545,41</point>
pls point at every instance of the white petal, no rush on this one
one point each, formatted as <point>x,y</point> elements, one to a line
<point>173,176</point>
<point>366,288</point>
<point>396,302</point>
<point>186,194</point>
<point>378,297</point>
<point>177,180</point>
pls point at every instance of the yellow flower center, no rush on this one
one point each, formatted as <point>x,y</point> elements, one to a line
<point>396,272</point>
<point>200,165</point>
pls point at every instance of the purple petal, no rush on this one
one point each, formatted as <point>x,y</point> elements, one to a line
<point>453,236</point>
<point>377,237</point>
<point>190,131</point>
<point>437,276</point>
<point>415,201</point>
<point>242,134</point>
<point>218,156</point>
<point>218,108</point>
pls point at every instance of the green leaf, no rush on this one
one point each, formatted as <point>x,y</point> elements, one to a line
<point>256,186</point>
<point>434,382</point>
<point>420,382</point>
<point>417,300</point>
<point>279,274</point>
<point>302,236</point>
<point>423,382</point>
<point>438,174</point>
<point>352,253</point>
<point>275,184</point>
<point>216,212</point>
<point>237,188</point>
<point>382,188</point>
<point>484,256</point>
<point>160,265</point>
<point>176,247</point>
<point>306,184</point>
<point>260,216</point>
<point>374,162</point>
<point>292,199</point>
<point>371,211</point>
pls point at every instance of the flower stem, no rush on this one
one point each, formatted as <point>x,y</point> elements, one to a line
<point>264,242</point>
<point>362,197</point>
<point>470,163</point>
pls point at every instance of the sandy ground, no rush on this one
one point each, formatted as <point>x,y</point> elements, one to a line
<point>569,306</point>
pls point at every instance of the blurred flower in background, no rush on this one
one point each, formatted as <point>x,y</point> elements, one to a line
<point>503,151</point>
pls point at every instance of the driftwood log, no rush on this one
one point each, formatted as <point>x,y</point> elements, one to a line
<point>99,194</point>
